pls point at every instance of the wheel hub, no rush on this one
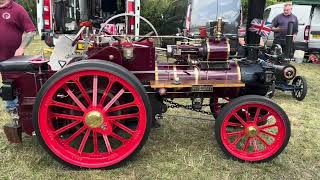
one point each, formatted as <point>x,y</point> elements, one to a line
<point>252,131</point>
<point>94,119</point>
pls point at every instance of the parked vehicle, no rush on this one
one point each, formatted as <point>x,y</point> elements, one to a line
<point>308,37</point>
<point>193,14</point>
<point>58,17</point>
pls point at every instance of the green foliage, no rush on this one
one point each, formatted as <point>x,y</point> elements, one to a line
<point>269,2</point>
<point>154,11</point>
<point>31,7</point>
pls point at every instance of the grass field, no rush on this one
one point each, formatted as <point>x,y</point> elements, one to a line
<point>186,149</point>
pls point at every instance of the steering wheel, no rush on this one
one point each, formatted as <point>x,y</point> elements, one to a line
<point>154,31</point>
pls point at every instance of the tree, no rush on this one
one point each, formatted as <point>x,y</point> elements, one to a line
<point>269,2</point>
<point>154,11</point>
<point>31,8</point>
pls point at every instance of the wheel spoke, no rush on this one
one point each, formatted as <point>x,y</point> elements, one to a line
<point>106,92</point>
<point>95,142</point>
<point>95,91</point>
<point>122,106</point>
<point>107,142</point>
<point>247,114</point>
<point>83,90</point>
<point>116,136</point>
<point>246,145</point>
<point>66,116</point>
<point>67,127</point>
<point>84,141</point>
<point>256,117</point>
<point>235,142</point>
<point>123,127</point>
<point>268,133</point>
<point>64,105</point>
<point>233,124</point>
<point>263,141</point>
<point>264,118</point>
<point>300,82</point>
<point>76,134</point>
<point>268,126</point>
<point>122,117</point>
<point>240,119</point>
<point>74,98</point>
<point>113,100</point>
<point>255,146</point>
<point>235,133</point>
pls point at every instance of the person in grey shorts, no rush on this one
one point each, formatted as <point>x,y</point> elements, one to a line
<point>280,25</point>
<point>16,33</point>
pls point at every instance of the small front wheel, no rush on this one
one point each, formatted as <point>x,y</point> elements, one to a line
<point>247,139</point>
<point>300,88</point>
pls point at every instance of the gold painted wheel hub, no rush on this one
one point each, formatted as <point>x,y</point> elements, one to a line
<point>94,119</point>
<point>252,131</point>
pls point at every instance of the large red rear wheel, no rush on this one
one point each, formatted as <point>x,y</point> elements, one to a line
<point>261,132</point>
<point>92,114</point>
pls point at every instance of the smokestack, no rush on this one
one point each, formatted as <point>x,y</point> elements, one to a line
<point>289,41</point>
<point>255,10</point>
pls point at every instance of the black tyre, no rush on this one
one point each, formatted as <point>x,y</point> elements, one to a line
<point>248,140</point>
<point>82,127</point>
<point>301,88</point>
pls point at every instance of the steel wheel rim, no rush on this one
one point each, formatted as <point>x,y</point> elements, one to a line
<point>298,83</point>
<point>253,147</point>
<point>95,159</point>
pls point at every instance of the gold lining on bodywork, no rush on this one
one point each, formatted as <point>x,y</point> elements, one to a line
<point>238,71</point>
<point>196,74</point>
<point>175,75</point>
<point>229,48</point>
<point>156,69</point>
<point>208,49</point>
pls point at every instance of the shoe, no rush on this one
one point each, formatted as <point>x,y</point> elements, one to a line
<point>14,114</point>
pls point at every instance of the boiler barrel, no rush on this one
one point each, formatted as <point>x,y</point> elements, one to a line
<point>184,72</point>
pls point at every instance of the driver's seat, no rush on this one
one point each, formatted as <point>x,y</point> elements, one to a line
<point>20,63</point>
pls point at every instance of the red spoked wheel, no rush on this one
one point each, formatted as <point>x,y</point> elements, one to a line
<point>92,114</point>
<point>247,139</point>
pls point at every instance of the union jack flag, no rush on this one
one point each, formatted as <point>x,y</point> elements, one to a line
<point>262,27</point>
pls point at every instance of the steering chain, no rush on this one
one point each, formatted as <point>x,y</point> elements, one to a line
<point>174,105</point>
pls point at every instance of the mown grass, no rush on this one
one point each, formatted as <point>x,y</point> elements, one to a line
<point>186,149</point>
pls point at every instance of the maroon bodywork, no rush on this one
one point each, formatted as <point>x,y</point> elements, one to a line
<point>143,65</point>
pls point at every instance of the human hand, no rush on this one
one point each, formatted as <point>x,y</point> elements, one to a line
<point>19,52</point>
<point>278,29</point>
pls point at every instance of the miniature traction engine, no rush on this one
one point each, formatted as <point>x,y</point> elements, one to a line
<point>98,109</point>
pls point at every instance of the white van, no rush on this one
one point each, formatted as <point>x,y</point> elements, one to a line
<point>56,17</point>
<point>308,37</point>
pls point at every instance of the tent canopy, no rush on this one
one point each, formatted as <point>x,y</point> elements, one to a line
<point>306,2</point>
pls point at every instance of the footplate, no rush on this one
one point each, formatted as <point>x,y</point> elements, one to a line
<point>13,133</point>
